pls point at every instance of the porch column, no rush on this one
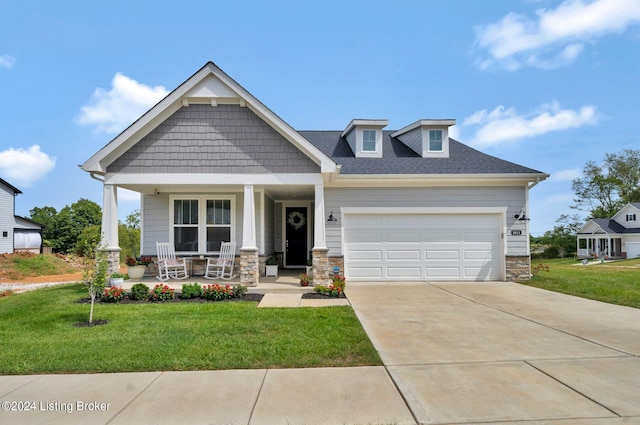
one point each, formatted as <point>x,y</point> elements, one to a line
<point>110,226</point>
<point>320,259</point>
<point>249,262</point>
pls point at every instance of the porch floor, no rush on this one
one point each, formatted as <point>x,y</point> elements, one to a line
<point>286,282</point>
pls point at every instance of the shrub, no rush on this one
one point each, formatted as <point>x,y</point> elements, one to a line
<point>191,290</point>
<point>162,293</point>
<point>139,292</point>
<point>339,281</point>
<point>113,294</point>
<point>218,292</point>
<point>330,291</point>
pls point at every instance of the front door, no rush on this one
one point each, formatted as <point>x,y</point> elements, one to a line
<point>296,221</point>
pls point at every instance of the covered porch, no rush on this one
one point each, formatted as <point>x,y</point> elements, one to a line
<point>279,216</point>
<point>599,246</point>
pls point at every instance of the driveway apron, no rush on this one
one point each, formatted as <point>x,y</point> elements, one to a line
<point>502,352</point>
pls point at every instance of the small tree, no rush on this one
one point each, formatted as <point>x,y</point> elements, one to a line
<point>94,273</point>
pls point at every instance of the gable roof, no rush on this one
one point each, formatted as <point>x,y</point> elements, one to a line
<point>208,85</point>
<point>13,188</point>
<point>398,158</point>
<point>608,226</point>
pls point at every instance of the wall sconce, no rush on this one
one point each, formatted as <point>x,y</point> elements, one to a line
<point>332,218</point>
<point>521,216</point>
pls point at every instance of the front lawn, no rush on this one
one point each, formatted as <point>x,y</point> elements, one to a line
<point>38,336</point>
<point>616,282</point>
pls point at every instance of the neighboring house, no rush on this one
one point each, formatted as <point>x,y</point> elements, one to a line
<point>16,233</point>
<point>212,164</point>
<point>617,237</point>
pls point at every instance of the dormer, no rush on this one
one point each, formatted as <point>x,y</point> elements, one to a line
<point>365,137</point>
<point>428,138</point>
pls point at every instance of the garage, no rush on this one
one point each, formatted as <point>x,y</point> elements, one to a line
<point>633,249</point>
<point>408,247</point>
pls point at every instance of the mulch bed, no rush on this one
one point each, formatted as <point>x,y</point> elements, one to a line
<point>177,299</point>
<point>316,296</point>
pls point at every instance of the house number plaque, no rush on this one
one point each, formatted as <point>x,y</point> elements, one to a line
<point>516,232</point>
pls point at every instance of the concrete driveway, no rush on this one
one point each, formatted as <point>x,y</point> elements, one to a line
<point>504,353</point>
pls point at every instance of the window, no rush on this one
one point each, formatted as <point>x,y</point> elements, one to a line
<point>435,140</point>
<point>631,217</point>
<point>368,140</point>
<point>201,225</point>
<point>5,234</point>
<point>218,223</point>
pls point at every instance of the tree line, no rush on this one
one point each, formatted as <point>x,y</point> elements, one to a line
<point>76,228</point>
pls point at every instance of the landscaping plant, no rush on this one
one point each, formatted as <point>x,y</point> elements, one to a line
<point>191,290</point>
<point>162,293</point>
<point>113,294</point>
<point>139,292</point>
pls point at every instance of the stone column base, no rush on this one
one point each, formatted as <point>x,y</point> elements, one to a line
<point>249,267</point>
<point>321,271</point>
<point>518,267</point>
<point>113,260</point>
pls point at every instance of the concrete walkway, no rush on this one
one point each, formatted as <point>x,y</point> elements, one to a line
<point>454,353</point>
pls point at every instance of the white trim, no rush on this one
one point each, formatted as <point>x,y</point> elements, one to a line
<point>209,179</point>
<point>373,124</point>
<point>109,231</point>
<point>249,219</point>
<point>424,123</point>
<point>202,219</point>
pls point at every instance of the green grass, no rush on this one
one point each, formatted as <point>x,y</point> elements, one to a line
<point>38,336</point>
<point>616,282</point>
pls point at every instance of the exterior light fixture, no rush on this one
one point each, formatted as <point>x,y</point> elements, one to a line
<point>332,218</point>
<point>521,216</point>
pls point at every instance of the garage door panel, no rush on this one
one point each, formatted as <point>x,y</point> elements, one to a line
<point>403,255</point>
<point>403,273</point>
<point>442,255</point>
<point>423,247</point>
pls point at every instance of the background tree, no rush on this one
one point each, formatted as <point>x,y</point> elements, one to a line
<point>562,239</point>
<point>46,217</point>
<point>129,236</point>
<point>603,190</point>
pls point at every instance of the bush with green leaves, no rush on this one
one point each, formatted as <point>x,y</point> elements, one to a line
<point>139,292</point>
<point>162,292</point>
<point>191,290</point>
<point>217,292</point>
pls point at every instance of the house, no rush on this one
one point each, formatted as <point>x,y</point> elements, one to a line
<point>618,236</point>
<point>16,233</point>
<point>212,163</point>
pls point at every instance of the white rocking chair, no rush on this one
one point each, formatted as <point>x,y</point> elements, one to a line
<point>222,267</point>
<point>170,267</point>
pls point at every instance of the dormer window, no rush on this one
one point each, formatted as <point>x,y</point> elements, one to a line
<point>365,137</point>
<point>368,140</point>
<point>427,138</point>
<point>435,140</point>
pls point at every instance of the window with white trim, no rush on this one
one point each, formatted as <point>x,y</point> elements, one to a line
<point>631,217</point>
<point>435,140</point>
<point>201,223</point>
<point>368,140</point>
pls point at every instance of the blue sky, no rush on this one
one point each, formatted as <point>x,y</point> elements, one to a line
<point>546,84</point>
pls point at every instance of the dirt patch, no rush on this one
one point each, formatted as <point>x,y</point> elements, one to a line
<point>91,324</point>
<point>72,277</point>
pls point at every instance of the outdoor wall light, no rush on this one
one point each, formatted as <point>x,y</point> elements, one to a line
<point>521,216</point>
<point>332,218</point>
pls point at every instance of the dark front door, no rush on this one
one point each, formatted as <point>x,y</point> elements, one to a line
<point>296,221</point>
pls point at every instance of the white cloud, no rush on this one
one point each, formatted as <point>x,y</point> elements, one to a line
<point>7,61</point>
<point>556,37</point>
<point>503,125</point>
<point>112,111</point>
<point>566,175</point>
<point>23,167</point>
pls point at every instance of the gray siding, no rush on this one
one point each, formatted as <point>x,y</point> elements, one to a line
<point>156,219</point>
<point>413,140</point>
<point>351,139</point>
<point>7,199</point>
<point>442,197</point>
<point>206,139</point>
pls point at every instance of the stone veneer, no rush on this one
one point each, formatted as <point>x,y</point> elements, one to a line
<point>249,267</point>
<point>337,261</point>
<point>113,260</point>
<point>322,269</point>
<point>518,267</point>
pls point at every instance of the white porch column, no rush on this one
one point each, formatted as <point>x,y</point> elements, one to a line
<point>319,233</point>
<point>110,226</point>
<point>249,219</point>
<point>249,259</point>
<point>110,216</point>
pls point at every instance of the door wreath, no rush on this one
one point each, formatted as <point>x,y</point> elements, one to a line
<point>296,220</point>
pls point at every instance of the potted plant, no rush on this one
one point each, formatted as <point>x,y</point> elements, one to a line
<point>305,279</point>
<point>116,280</point>
<point>135,268</point>
<point>271,267</point>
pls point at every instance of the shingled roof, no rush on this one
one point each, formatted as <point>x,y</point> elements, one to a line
<point>397,158</point>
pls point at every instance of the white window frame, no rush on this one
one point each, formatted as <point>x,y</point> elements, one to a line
<point>375,140</point>
<point>202,220</point>
<point>441,140</point>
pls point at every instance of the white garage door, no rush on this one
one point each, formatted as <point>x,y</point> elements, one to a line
<point>422,247</point>
<point>633,249</point>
